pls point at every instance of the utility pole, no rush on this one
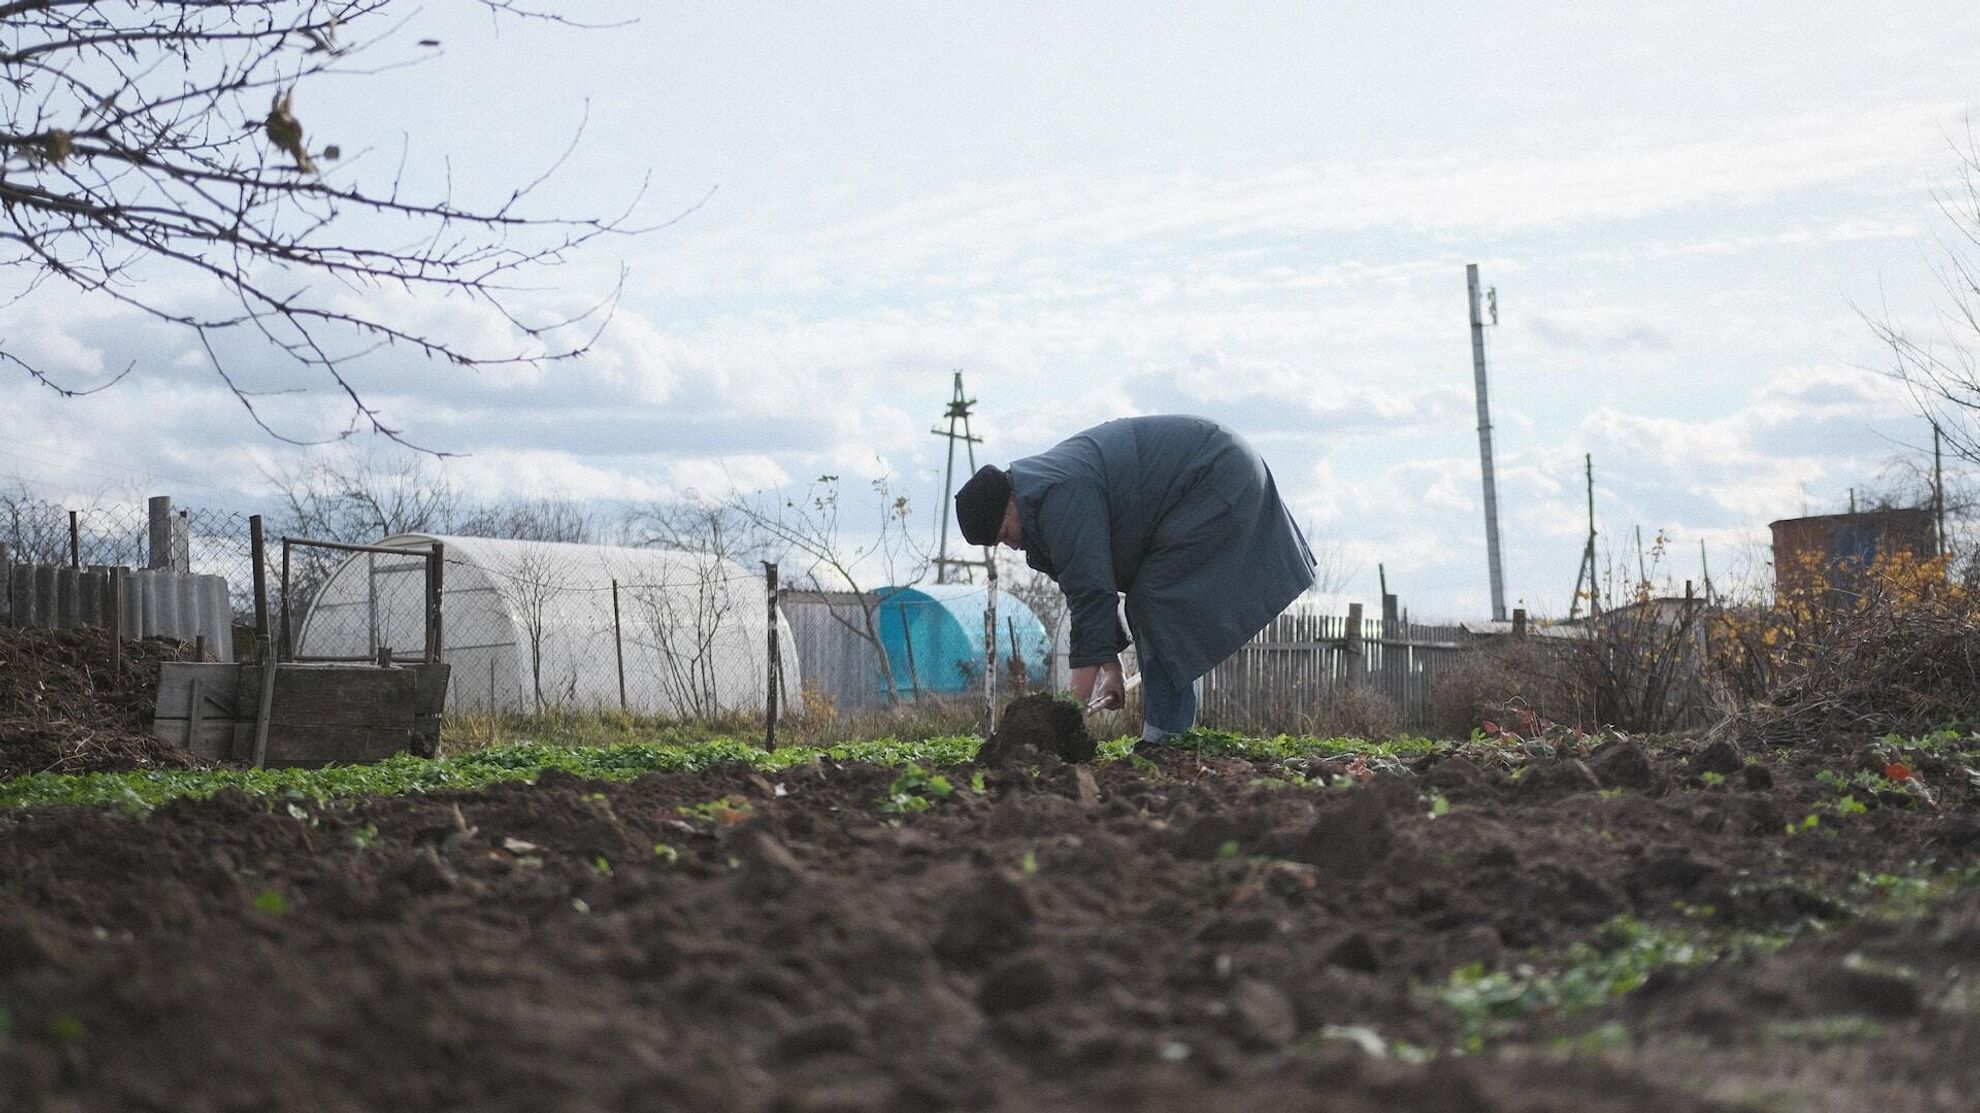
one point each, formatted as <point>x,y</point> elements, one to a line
<point>1705,568</point>
<point>958,431</point>
<point>1587,572</point>
<point>1485,441</point>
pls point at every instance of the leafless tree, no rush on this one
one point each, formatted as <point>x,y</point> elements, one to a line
<point>686,616</point>
<point>153,155</point>
<point>694,525</point>
<point>531,587</point>
<point>1941,366</point>
<point>537,519</point>
<point>358,496</point>
<point>807,531</point>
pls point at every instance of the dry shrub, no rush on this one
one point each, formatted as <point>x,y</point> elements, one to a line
<point>1479,686</point>
<point>908,721</point>
<point>1897,651</point>
<point>1355,711</point>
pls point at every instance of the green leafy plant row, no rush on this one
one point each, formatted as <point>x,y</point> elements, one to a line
<point>404,773</point>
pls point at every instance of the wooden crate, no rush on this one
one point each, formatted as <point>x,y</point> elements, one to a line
<point>322,713</point>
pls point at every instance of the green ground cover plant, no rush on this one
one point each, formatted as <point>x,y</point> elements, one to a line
<point>142,790</point>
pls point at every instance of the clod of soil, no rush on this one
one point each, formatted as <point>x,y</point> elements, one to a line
<point>1038,725</point>
<point>1622,765</point>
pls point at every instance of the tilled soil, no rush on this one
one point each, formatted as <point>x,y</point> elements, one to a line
<point>1188,934</point>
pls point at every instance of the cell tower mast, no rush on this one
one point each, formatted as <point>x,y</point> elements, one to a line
<point>957,432</point>
<point>1485,440</point>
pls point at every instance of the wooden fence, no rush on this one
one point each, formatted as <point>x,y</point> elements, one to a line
<point>1290,677</point>
<point>1294,673</point>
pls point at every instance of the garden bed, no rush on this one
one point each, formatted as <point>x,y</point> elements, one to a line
<point>1497,925</point>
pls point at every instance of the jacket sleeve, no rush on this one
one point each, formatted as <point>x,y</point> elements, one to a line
<point>1072,524</point>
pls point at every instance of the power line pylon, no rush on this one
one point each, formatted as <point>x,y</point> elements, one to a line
<point>958,431</point>
<point>1587,572</point>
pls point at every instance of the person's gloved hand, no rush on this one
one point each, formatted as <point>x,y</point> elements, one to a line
<point>1101,687</point>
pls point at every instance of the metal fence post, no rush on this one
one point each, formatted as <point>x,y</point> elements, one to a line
<point>436,582</point>
<point>619,644</point>
<point>75,539</point>
<point>774,663</point>
<point>286,648</point>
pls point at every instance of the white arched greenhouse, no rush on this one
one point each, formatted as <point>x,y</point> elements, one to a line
<point>537,625</point>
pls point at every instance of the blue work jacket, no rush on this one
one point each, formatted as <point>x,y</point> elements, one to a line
<point>1180,515</point>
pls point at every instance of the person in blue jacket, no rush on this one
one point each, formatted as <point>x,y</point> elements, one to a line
<point>1177,513</point>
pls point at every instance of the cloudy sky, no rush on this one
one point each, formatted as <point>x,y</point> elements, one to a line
<point>1258,212</point>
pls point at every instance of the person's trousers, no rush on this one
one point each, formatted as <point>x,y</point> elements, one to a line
<point>1168,703</point>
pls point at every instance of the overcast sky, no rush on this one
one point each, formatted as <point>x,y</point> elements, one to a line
<point>1257,212</point>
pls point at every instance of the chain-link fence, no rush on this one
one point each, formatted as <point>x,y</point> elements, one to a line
<point>534,627</point>
<point>128,535</point>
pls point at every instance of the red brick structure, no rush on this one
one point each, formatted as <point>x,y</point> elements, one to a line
<point>1833,550</point>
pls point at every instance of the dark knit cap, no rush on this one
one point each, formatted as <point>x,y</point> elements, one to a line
<point>980,504</point>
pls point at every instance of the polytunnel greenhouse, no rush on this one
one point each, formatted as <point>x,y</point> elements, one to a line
<point>538,625</point>
<point>935,640</point>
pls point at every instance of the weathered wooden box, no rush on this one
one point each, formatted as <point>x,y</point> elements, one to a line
<point>322,713</point>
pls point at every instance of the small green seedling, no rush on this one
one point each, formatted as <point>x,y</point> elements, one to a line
<point>271,902</point>
<point>915,790</point>
<point>66,1028</point>
<point>666,853</point>
<point>725,810</point>
<point>602,866</point>
<point>1712,779</point>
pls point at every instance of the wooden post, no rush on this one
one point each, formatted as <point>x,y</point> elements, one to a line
<point>1519,622</point>
<point>1938,498</point>
<point>75,540</point>
<point>436,573</point>
<point>258,553</point>
<point>266,706</point>
<point>1353,643</point>
<point>775,664</point>
<point>619,645</point>
<point>194,712</point>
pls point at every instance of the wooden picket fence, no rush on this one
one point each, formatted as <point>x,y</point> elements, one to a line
<point>1285,678</point>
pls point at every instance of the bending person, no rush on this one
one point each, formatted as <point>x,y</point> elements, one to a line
<point>1176,512</point>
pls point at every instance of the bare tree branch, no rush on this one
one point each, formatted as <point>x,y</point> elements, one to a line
<point>148,145</point>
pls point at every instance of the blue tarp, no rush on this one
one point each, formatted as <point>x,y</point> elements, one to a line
<point>944,625</point>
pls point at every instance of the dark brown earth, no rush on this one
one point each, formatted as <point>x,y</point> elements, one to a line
<point>1207,934</point>
<point>64,709</point>
<point>1036,726</point>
